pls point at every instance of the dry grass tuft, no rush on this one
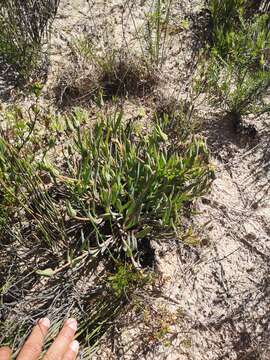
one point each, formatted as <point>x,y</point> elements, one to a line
<point>117,75</point>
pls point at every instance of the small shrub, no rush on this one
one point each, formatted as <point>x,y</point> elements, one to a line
<point>225,18</point>
<point>125,279</point>
<point>24,26</point>
<point>122,186</point>
<point>238,75</point>
<point>113,73</point>
<point>132,184</point>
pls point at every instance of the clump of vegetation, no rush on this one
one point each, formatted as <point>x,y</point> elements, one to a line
<point>238,75</point>
<point>125,279</point>
<point>122,185</point>
<point>95,213</point>
<point>24,25</point>
<point>111,74</point>
<point>134,183</point>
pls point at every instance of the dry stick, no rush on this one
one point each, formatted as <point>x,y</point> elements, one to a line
<point>69,263</point>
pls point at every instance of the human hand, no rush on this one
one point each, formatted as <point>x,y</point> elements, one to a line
<point>63,348</point>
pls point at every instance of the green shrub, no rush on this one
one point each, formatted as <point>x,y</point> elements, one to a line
<point>125,279</point>
<point>122,186</point>
<point>95,212</point>
<point>24,26</point>
<point>127,184</point>
<point>238,75</point>
<point>225,19</point>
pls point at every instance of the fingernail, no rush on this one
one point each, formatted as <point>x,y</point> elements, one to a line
<point>45,322</point>
<point>75,346</point>
<point>72,323</point>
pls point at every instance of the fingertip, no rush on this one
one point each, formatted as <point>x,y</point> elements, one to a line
<point>45,322</point>
<point>62,344</point>
<point>72,323</point>
<point>72,351</point>
<point>74,346</point>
